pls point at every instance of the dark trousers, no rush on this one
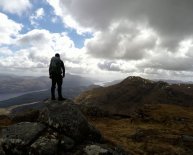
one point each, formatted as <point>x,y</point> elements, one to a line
<point>57,80</point>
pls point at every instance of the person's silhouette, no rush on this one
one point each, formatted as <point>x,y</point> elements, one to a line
<point>56,73</point>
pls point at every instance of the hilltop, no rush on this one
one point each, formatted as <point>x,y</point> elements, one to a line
<point>143,116</point>
<point>134,92</point>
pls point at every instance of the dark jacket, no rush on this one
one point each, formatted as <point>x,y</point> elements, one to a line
<point>56,67</point>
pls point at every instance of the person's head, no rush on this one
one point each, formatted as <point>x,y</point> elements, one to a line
<point>57,55</point>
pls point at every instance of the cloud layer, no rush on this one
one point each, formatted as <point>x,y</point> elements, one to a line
<point>151,38</point>
<point>149,34</point>
<point>13,7</point>
<point>8,29</point>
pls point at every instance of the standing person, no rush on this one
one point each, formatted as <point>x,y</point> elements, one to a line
<point>57,73</point>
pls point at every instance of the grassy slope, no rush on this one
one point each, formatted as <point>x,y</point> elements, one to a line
<point>160,134</point>
<point>134,92</point>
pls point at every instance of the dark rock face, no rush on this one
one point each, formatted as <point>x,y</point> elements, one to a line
<point>20,135</point>
<point>66,142</point>
<point>60,129</point>
<point>45,145</point>
<point>66,118</point>
<point>2,151</point>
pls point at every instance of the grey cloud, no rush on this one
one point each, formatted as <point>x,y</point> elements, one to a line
<point>125,41</point>
<point>15,7</point>
<point>35,38</point>
<point>34,57</point>
<point>168,63</point>
<point>117,66</point>
<point>171,19</point>
<point>109,66</point>
<point>9,29</point>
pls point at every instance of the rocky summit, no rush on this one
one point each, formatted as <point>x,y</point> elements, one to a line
<point>59,129</point>
<point>131,93</point>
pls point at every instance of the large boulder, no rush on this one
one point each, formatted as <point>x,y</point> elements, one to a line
<point>18,136</point>
<point>47,144</point>
<point>66,118</point>
<point>66,143</point>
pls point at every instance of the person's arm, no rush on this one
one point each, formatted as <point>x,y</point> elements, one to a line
<point>63,70</point>
<point>50,74</point>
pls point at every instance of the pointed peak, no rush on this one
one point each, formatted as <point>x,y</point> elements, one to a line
<point>136,79</point>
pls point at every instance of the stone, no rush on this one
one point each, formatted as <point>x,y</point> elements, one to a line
<point>94,134</point>
<point>44,145</point>
<point>95,150</point>
<point>67,119</point>
<point>66,143</point>
<point>17,137</point>
<point>103,149</point>
<point>2,151</point>
<point>61,129</point>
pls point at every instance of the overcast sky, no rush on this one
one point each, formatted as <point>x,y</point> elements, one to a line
<point>107,39</point>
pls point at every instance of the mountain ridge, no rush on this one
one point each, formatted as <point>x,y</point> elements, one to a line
<point>15,84</point>
<point>134,91</point>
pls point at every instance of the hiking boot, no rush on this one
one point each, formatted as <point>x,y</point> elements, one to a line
<point>53,98</point>
<point>61,99</point>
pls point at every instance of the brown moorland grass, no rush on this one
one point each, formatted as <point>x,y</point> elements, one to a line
<point>162,135</point>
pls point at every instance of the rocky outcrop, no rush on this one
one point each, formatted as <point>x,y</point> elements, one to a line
<point>20,135</point>
<point>67,119</point>
<point>60,129</point>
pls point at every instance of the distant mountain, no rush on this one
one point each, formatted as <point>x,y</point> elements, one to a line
<point>38,96</point>
<point>15,84</point>
<point>134,92</point>
<point>26,89</point>
<point>72,81</point>
<point>106,84</point>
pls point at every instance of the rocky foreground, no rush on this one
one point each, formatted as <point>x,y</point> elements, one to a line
<point>57,128</point>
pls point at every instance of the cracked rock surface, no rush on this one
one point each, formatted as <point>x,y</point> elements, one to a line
<point>60,129</point>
